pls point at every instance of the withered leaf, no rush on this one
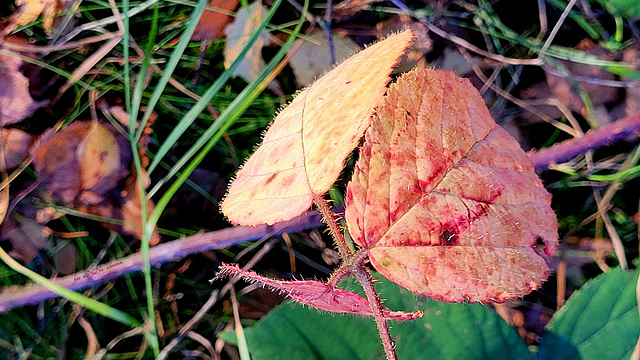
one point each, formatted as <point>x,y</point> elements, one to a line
<point>30,10</point>
<point>26,236</point>
<point>98,154</point>
<point>317,294</point>
<point>312,60</point>
<point>15,144</point>
<point>16,103</point>
<point>212,23</point>
<point>238,34</point>
<point>446,202</point>
<point>304,151</point>
<point>82,162</point>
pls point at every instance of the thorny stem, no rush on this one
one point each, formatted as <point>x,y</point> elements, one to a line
<point>364,278</point>
<point>347,267</point>
<point>329,217</point>
<point>353,264</point>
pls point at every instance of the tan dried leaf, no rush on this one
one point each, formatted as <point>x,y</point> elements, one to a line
<point>313,58</point>
<point>213,22</point>
<point>238,33</point>
<point>16,103</point>
<point>30,10</point>
<point>445,200</point>
<point>16,144</point>
<point>304,151</point>
<point>98,155</point>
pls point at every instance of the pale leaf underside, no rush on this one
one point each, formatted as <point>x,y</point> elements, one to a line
<point>445,200</point>
<point>318,295</point>
<point>304,150</point>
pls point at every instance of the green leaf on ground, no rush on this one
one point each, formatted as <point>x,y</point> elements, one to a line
<point>600,321</point>
<point>447,331</point>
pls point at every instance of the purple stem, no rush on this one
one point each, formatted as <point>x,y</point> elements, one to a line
<point>160,254</point>
<point>605,135</point>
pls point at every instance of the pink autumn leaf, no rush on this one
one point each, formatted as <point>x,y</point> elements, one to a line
<point>445,201</point>
<point>317,294</point>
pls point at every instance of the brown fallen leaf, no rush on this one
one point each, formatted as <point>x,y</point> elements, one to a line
<point>16,144</point>
<point>238,34</point>
<point>445,201</point>
<point>81,163</point>
<point>304,150</point>
<point>563,89</point>
<point>26,236</point>
<point>132,211</point>
<point>313,59</point>
<point>30,10</point>
<point>16,103</point>
<point>98,155</point>
<point>212,23</point>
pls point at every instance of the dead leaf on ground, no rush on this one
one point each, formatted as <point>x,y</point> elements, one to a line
<point>212,23</point>
<point>84,166</point>
<point>66,259</point>
<point>631,55</point>
<point>304,151</point>
<point>563,89</point>
<point>82,162</point>
<point>26,237</point>
<point>132,211</point>
<point>238,34</point>
<point>313,59</point>
<point>446,202</point>
<point>98,154</point>
<point>30,10</point>
<point>16,103</point>
<point>16,144</point>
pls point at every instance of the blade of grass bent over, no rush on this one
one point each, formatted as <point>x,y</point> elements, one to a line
<point>198,107</point>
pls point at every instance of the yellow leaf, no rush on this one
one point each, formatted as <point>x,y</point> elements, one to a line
<point>304,151</point>
<point>98,155</point>
<point>31,10</point>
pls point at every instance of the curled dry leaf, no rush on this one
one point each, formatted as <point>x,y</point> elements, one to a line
<point>98,155</point>
<point>318,295</point>
<point>83,162</point>
<point>26,236</point>
<point>304,151</point>
<point>213,22</point>
<point>312,60</point>
<point>30,10</point>
<point>16,144</point>
<point>239,32</point>
<point>16,103</point>
<point>445,201</point>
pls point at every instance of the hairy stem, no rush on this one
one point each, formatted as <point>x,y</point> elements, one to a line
<point>329,217</point>
<point>362,275</point>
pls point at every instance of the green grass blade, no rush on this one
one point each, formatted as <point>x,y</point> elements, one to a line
<point>171,65</point>
<point>125,54</point>
<point>198,107</point>
<point>139,87</point>
<point>91,304</point>
<point>217,130</point>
